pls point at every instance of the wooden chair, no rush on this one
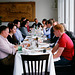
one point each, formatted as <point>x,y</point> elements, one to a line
<point>35,58</point>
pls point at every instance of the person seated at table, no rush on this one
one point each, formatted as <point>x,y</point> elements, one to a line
<point>52,20</point>
<point>69,33</point>
<point>46,29</point>
<point>64,47</point>
<point>12,29</point>
<point>37,24</point>
<point>44,22</point>
<point>23,28</point>
<point>53,37</point>
<point>23,19</point>
<point>27,23</point>
<point>18,33</point>
<point>7,50</point>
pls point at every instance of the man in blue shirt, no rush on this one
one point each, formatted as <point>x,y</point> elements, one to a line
<point>18,33</point>
<point>47,29</point>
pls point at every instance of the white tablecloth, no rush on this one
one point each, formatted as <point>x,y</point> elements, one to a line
<point>18,68</point>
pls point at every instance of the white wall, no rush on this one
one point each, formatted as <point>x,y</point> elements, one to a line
<point>44,8</point>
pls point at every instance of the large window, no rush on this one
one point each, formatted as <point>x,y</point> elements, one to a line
<point>66,13</point>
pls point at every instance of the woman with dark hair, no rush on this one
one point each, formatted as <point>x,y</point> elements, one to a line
<point>7,50</point>
<point>12,29</point>
<point>44,22</point>
<point>23,19</point>
<point>23,28</point>
<point>27,23</point>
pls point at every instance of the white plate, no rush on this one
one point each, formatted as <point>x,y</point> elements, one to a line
<point>38,49</point>
<point>28,36</point>
<point>42,43</point>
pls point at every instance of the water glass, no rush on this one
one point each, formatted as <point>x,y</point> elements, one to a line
<point>34,44</point>
<point>19,48</point>
<point>25,46</point>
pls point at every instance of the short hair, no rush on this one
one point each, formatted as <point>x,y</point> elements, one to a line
<point>44,20</point>
<point>10,26</point>
<point>49,22</point>
<point>3,27</point>
<point>16,21</point>
<point>35,19</point>
<point>23,18</point>
<point>52,20</point>
<point>59,27</point>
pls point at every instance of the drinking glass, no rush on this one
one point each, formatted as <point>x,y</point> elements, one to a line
<point>19,48</point>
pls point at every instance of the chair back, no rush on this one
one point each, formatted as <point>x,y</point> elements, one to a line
<point>34,60</point>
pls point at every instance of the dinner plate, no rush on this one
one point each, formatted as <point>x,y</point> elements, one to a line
<point>42,43</point>
<point>38,49</point>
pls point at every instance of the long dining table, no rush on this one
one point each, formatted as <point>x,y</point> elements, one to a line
<point>32,50</point>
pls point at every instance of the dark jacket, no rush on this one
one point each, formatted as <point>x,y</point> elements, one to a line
<point>71,35</point>
<point>53,37</point>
